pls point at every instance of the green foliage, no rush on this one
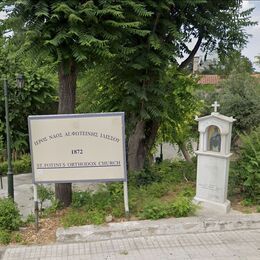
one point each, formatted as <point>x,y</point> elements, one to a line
<point>181,207</point>
<point>81,198</point>
<point>30,219</point>
<point>188,192</point>
<point>257,60</point>
<point>178,124</point>
<point>246,171</point>
<point>3,167</point>
<point>247,202</point>
<point>155,210</point>
<point>75,218</point>
<point>240,97</point>
<point>235,62</point>
<point>116,190</point>
<point>55,205</point>
<point>38,96</point>
<point>96,217</point>
<point>10,218</point>
<point>119,210</point>
<point>79,218</point>
<point>5,237</point>
<point>137,80</point>
<point>144,177</point>
<point>44,193</point>
<point>22,165</point>
<point>85,29</point>
<point>17,238</point>
<point>165,172</point>
<point>134,42</point>
<point>168,195</point>
<point>157,190</point>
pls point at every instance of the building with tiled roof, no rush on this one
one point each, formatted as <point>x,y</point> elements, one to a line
<point>209,79</point>
<point>214,79</point>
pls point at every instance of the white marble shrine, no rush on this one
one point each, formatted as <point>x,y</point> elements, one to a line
<point>213,160</point>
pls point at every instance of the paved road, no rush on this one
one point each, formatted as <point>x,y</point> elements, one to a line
<point>216,245</point>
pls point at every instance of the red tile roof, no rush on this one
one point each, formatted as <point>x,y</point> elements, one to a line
<point>215,79</point>
<point>209,79</point>
<point>256,75</point>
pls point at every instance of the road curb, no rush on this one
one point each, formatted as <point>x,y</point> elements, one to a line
<point>158,227</point>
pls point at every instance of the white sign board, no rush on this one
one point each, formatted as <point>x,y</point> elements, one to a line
<point>78,147</point>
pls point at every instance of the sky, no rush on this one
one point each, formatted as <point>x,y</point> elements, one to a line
<point>253,46</point>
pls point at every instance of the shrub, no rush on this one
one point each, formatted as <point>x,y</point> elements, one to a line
<point>75,218</point>
<point>240,97</point>
<point>182,207</point>
<point>22,165</point>
<point>81,198</point>
<point>3,168</point>
<point>44,193</point>
<point>17,237</point>
<point>10,218</point>
<point>157,190</point>
<point>118,211</point>
<point>150,197</point>
<point>5,237</point>
<point>188,192</point>
<point>154,210</point>
<point>116,190</point>
<point>30,219</point>
<point>247,202</point>
<point>96,217</point>
<point>55,205</point>
<point>144,177</point>
<point>247,168</point>
<point>102,200</point>
<point>167,171</point>
<point>79,218</point>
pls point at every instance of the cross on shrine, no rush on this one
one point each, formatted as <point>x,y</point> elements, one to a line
<point>215,105</point>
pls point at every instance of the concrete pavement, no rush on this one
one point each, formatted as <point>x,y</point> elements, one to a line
<point>215,245</point>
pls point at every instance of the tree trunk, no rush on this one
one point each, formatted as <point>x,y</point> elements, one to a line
<point>185,152</point>
<point>67,95</point>
<point>140,143</point>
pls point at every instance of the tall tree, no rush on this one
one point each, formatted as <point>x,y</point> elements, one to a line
<point>137,73</point>
<point>37,97</point>
<point>178,124</point>
<point>76,34</point>
<point>239,96</point>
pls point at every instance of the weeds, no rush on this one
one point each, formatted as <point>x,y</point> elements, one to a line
<point>147,191</point>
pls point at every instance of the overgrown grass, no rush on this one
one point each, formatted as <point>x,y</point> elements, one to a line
<point>158,192</point>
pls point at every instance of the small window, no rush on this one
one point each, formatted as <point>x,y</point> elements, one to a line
<point>214,139</point>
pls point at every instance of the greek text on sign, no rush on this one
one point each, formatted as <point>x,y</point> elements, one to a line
<point>82,147</point>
